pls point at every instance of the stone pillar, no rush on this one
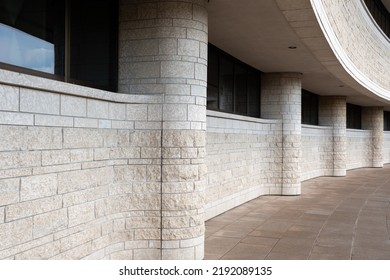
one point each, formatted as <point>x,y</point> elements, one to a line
<point>333,112</point>
<point>163,52</point>
<point>281,99</point>
<point>372,119</point>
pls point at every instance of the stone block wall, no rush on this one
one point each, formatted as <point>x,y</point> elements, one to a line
<point>386,145</point>
<point>317,151</point>
<point>281,99</point>
<point>163,50</point>
<point>360,44</point>
<point>79,177</point>
<point>359,149</point>
<point>244,160</point>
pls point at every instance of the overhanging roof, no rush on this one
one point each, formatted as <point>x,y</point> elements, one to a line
<point>261,32</point>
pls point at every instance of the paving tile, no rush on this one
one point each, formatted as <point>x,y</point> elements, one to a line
<point>219,245</point>
<point>334,218</point>
<point>244,251</point>
<point>259,240</point>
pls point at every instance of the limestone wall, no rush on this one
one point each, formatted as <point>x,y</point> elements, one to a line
<point>244,160</point>
<point>79,177</point>
<point>360,45</point>
<point>359,150</point>
<point>317,151</point>
<point>386,150</point>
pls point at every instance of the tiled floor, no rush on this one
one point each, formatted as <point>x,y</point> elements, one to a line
<point>334,218</point>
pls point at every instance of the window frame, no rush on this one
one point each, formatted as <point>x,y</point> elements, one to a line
<point>309,108</point>
<point>249,70</point>
<point>114,53</point>
<point>354,116</point>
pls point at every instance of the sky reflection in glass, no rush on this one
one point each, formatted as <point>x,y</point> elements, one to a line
<point>22,49</point>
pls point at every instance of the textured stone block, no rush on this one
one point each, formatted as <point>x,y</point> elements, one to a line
<point>9,98</point>
<point>140,47</point>
<point>79,236</point>
<point>81,155</point>
<point>75,253</point>
<point>12,138</point>
<point>174,10</point>
<point>32,208</point>
<point>84,196</point>
<point>9,160</point>
<point>116,111</point>
<point>14,233</point>
<point>38,186</point>
<point>42,252</point>
<point>85,123</point>
<point>97,109</point>
<point>137,112</point>
<point>35,101</point>
<point>188,47</point>
<point>197,113</point>
<point>16,118</point>
<point>50,222</point>
<point>82,138</point>
<point>123,255</point>
<point>155,112</point>
<point>2,215</point>
<point>43,138</point>
<point>147,254</point>
<point>82,213</point>
<point>201,72</point>
<point>73,106</point>
<point>47,120</point>
<point>178,254</point>
<point>178,89</point>
<point>125,152</point>
<point>168,46</point>
<point>177,69</point>
<point>175,112</point>
<point>55,157</point>
<point>9,191</point>
<point>140,70</point>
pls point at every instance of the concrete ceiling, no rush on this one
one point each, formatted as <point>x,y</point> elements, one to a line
<point>261,32</point>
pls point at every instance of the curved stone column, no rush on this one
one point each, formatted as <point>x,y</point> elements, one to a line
<point>333,112</point>
<point>281,99</point>
<point>372,119</point>
<point>163,51</point>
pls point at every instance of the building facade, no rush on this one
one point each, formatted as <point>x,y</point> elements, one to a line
<point>125,125</point>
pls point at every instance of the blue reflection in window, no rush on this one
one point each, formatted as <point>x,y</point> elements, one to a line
<point>24,50</point>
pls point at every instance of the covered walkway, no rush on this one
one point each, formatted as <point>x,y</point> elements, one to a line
<point>334,218</point>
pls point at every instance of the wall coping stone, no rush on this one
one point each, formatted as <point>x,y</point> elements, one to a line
<point>40,83</point>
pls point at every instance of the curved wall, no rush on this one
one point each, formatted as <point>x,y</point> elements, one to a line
<point>358,43</point>
<point>77,180</point>
<point>317,151</point>
<point>244,160</point>
<point>86,173</point>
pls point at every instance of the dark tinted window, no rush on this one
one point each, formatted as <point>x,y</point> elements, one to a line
<point>75,41</point>
<point>232,85</point>
<point>32,35</point>
<point>309,108</point>
<point>386,121</point>
<point>94,42</point>
<point>354,116</point>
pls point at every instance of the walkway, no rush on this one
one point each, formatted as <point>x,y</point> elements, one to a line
<point>334,218</point>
